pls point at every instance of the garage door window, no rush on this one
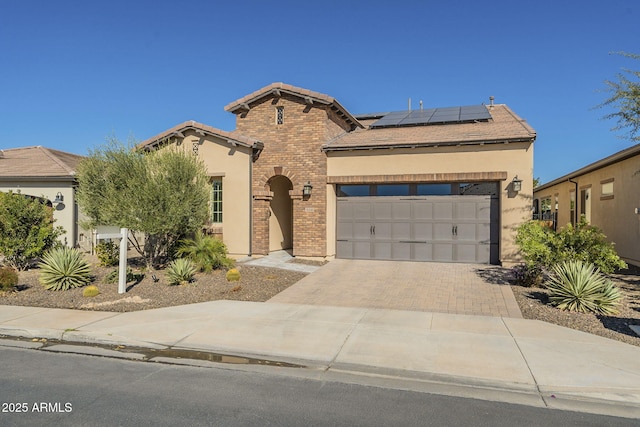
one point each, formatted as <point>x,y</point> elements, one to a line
<point>418,189</point>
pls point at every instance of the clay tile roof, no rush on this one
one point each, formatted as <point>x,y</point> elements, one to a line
<point>276,89</point>
<point>37,162</point>
<point>504,126</point>
<point>177,131</point>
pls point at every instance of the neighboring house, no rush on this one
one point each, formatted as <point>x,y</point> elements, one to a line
<point>50,175</point>
<point>606,193</point>
<point>301,172</point>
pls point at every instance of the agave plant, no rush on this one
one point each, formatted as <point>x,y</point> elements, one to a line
<point>205,251</point>
<point>180,271</point>
<point>578,286</point>
<point>64,268</point>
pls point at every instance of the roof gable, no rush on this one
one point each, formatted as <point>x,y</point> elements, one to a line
<point>245,103</point>
<point>37,162</point>
<point>178,131</point>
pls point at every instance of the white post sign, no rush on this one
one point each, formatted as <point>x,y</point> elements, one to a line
<point>122,277</point>
<point>122,267</point>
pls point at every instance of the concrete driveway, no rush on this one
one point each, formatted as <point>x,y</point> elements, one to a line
<point>473,289</point>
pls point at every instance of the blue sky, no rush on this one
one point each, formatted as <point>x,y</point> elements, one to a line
<point>75,72</point>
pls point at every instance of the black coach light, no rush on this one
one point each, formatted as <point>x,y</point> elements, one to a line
<point>59,199</point>
<point>306,190</point>
<point>517,184</point>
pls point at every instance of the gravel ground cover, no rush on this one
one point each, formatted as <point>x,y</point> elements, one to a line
<point>534,304</point>
<point>259,284</point>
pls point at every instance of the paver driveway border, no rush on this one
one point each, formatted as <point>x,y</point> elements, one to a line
<point>474,289</point>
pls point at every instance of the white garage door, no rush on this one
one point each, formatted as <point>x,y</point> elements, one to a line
<point>427,228</point>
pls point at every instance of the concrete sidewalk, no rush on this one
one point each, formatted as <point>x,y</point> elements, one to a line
<point>494,358</point>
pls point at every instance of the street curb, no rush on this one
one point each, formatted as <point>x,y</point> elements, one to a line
<point>574,399</point>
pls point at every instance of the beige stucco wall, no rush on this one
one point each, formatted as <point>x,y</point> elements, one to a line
<point>514,159</point>
<point>233,164</point>
<point>64,214</point>
<point>615,216</point>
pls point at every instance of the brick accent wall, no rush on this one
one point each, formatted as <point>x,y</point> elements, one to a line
<point>293,150</point>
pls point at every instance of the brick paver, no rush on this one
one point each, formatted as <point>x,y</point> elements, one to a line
<point>473,289</point>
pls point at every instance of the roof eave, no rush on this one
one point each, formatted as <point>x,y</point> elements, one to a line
<point>425,144</point>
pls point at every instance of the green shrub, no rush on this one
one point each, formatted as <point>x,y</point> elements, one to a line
<point>526,275</point>
<point>8,278</point>
<point>233,275</point>
<point>206,252</point>
<point>588,243</point>
<point>26,229</point>
<point>113,276</point>
<point>108,253</point>
<point>64,268</point>
<point>579,286</point>
<point>180,271</point>
<point>543,247</point>
<point>90,291</point>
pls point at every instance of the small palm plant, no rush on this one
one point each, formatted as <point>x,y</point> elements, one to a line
<point>578,286</point>
<point>180,271</point>
<point>64,268</point>
<point>205,251</point>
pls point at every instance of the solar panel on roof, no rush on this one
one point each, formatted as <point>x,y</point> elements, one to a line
<point>429,116</point>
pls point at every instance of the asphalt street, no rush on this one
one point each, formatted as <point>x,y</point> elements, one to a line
<point>41,388</point>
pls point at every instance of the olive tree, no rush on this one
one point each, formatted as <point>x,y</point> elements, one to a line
<point>625,98</point>
<point>161,196</point>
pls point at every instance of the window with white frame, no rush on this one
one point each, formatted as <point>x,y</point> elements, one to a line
<point>216,200</point>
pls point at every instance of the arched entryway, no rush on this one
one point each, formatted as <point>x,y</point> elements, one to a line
<point>281,218</point>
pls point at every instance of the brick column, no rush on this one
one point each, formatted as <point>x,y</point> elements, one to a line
<point>261,212</point>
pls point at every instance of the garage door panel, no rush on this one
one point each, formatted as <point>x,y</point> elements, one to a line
<point>443,231</point>
<point>383,210</point>
<point>401,251</point>
<point>382,250</point>
<point>362,211</point>
<point>361,250</point>
<point>361,230</point>
<point>466,232</point>
<point>483,232</point>
<point>465,252</point>
<point>422,231</point>
<point>466,210</point>
<point>443,210</point>
<point>401,231</point>
<point>443,252</point>
<point>344,249</point>
<point>382,230</point>
<point>344,230</point>
<point>345,211</point>
<point>422,252</point>
<point>422,210</point>
<point>401,210</point>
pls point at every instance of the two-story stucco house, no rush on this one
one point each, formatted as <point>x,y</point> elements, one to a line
<point>301,172</point>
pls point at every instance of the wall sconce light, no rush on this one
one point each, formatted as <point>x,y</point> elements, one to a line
<point>516,184</point>
<point>306,190</point>
<point>59,199</point>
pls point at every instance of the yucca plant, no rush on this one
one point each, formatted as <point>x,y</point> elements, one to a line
<point>205,251</point>
<point>579,286</point>
<point>64,268</point>
<point>180,271</point>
